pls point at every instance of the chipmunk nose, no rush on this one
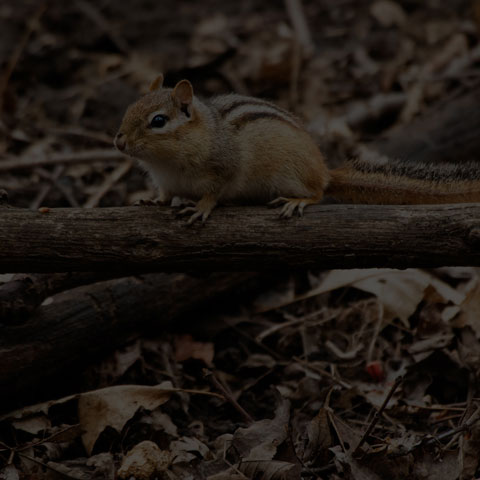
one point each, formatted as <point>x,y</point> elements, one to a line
<point>120,141</point>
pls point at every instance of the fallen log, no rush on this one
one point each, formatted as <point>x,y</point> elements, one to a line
<point>42,358</point>
<point>447,132</point>
<point>25,292</point>
<point>146,239</point>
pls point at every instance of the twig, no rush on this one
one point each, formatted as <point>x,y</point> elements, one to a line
<point>15,163</point>
<point>108,183</point>
<point>38,200</point>
<point>81,132</point>
<point>474,418</point>
<point>376,417</point>
<point>228,395</point>
<point>323,372</point>
<point>66,192</point>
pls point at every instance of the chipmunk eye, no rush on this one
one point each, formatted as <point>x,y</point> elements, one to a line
<point>158,121</point>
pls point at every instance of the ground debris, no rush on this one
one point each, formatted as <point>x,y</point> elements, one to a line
<point>298,379</point>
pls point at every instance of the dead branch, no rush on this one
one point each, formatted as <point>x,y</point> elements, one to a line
<point>25,292</point>
<point>86,323</point>
<point>10,164</point>
<point>447,132</point>
<point>136,239</point>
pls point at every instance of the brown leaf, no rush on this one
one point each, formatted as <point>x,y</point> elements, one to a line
<point>186,449</point>
<point>9,473</point>
<point>114,406</point>
<point>260,440</point>
<point>470,311</point>
<point>319,437</point>
<point>143,461</point>
<point>186,347</point>
<point>348,464</point>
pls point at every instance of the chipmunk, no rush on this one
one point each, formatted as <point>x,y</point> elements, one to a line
<point>231,148</point>
<point>240,149</point>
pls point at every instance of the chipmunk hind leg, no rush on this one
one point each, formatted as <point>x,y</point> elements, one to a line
<point>201,210</point>
<point>292,205</point>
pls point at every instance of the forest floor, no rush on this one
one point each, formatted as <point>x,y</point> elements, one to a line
<point>361,374</point>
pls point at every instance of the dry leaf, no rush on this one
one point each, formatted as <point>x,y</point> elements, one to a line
<point>470,311</point>
<point>186,347</point>
<point>345,462</point>
<point>398,291</point>
<point>260,440</point>
<point>9,473</point>
<point>114,406</point>
<point>186,449</point>
<point>143,461</point>
<point>33,424</point>
<point>319,437</point>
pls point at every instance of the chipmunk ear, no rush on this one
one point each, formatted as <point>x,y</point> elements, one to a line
<point>156,84</point>
<point>183,93</point>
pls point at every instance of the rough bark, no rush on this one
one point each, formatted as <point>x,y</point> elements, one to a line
<point>25,292</point>
<point>142,239</point>
<point>86,323</point>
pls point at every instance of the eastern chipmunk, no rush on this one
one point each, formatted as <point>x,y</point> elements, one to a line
<point>241,149</point>
<point>231,148</point>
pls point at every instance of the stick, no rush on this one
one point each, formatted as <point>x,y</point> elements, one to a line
<point>376,417</point>
<point>23,163</point>
<point>227,395</point>
<point>108,183</point>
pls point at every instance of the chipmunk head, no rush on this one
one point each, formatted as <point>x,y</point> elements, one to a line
<point>153,127</point>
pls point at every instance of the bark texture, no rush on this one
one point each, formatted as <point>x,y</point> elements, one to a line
<point>84,324</point>
<point>143,239</point>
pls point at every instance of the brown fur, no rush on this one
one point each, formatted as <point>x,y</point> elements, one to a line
<point>373,179</point>
<point>254,153</point>
<point>248,101</point>
<point>251,117</point>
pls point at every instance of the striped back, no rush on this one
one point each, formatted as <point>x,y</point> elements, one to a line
<point>239,110</point>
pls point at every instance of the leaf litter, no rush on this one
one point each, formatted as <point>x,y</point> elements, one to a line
<point>310,363</point>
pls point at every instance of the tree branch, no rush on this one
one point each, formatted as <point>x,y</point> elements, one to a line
<point>142,239</point>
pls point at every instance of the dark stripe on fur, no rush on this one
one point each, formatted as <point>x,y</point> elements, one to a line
<point>252,116</point>
<point>240,103</point>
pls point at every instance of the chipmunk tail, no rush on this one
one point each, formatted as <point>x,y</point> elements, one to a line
<point>376,179</point>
